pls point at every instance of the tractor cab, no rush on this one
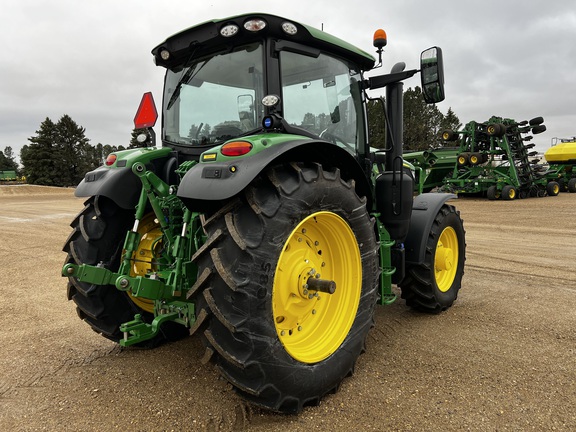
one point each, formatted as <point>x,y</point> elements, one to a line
<point>225,77</point>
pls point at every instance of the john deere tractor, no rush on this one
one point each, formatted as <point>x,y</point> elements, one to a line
<point>265,222</point>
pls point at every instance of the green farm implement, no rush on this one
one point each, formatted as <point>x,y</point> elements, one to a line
<point>432,166</point>
<point>492,159</point>
<point>561,159</point>
<point>263,222</point>
<point>8,176</point>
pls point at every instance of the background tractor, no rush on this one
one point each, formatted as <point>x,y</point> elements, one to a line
<point>265,222</point>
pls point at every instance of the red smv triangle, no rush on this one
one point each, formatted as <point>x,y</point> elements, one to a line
<point>146,115</point>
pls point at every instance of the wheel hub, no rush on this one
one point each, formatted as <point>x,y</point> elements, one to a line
<point>311,316</point>
<point>145,256</point>
<point>446,259</point>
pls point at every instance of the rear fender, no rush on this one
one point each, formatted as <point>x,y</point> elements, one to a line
<point>424,211</point>
<point>207,183</point>
<point>119,183</point>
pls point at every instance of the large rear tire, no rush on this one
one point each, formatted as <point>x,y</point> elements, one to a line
<point>279,340</point>
<point>433,286</point>
<point>97,237</point>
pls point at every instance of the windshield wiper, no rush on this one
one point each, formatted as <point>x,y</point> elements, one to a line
<point>185,78</point>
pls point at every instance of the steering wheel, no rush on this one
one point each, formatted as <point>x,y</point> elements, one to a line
<point>336,139</point>
<point>228,130</point>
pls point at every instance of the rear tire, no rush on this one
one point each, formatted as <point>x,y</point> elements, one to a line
<point>268,334</point>
<point>97,237</point>
<point>433,286</point>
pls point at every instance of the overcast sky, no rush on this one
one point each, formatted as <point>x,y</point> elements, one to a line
<point>91,59</point>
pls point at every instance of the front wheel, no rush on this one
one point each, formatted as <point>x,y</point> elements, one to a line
<point>288,286</point>
<point>433,285</point>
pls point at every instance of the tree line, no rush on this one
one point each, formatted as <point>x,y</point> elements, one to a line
<point>60,153</point>
<point>423,123</point>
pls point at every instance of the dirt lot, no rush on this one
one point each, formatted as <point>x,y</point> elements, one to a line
<point>503,358</point>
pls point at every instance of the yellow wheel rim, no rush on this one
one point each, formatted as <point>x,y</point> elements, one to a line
<point>512,193</point>
<point>461,160</point>
<point>556,189</point>
<point>312,324</point>
<point>445,136</point>
<point>446,259</point>
<point>474,160</point>
<point>145,255</point>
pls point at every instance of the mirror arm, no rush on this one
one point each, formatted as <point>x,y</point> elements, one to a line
<point>383,80</point>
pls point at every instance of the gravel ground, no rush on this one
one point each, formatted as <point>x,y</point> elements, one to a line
<point>502,358</point>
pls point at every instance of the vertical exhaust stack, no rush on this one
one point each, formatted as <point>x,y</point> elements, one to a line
<point>394,186</point>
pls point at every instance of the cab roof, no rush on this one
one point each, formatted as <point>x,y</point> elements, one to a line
<point>206,37</point>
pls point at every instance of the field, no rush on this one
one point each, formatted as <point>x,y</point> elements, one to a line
<point>503,358</point>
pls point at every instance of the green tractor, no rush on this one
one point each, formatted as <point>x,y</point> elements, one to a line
<point>265,223</point>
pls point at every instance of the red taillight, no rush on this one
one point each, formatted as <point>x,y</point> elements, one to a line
<point>110,159</point>
<point>236,148</point>
<point>146,115</point>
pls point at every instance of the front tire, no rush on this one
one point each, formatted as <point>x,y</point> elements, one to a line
<point>433,286</point>
<point>281,343</point>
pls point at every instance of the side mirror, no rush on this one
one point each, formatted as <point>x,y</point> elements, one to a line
<point>432,75</point>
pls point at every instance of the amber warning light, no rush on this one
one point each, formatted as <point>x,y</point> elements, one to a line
<point>380,39</point>
<point>146,115</point>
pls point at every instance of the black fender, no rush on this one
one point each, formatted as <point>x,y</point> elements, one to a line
<point>424,210</point>
<point>207,183</point>
<point>119,184</point>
